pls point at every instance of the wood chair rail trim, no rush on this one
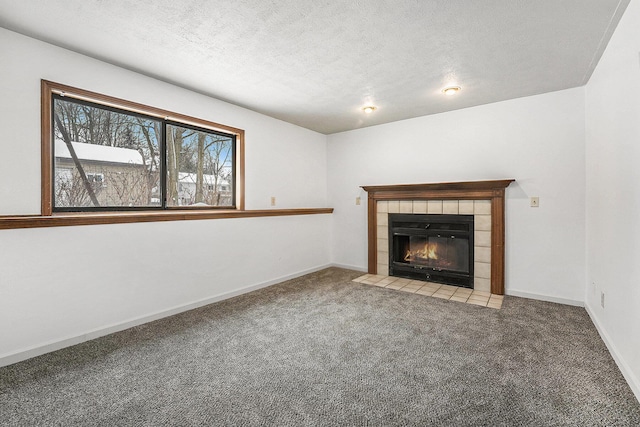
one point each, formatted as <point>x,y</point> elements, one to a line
<point>73,219</point>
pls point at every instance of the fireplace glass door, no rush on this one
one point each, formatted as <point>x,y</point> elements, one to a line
<point>436,252</point>
<point>437,248</point>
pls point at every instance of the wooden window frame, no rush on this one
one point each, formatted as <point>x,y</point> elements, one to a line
<point>48,89</point>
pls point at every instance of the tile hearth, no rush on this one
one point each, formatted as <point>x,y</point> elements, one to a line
<point>436,290</point>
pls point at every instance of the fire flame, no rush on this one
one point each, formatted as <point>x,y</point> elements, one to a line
<point>426,252</point>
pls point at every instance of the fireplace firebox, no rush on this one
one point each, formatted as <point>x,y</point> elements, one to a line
<point>436,248</point>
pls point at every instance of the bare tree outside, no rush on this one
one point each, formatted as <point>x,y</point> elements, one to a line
<point>199,167</point>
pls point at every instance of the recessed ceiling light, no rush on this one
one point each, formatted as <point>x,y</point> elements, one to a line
<point>451,90</point>
<point>369,109</point>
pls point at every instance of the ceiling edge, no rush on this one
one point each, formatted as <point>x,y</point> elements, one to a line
<point>604,41</point>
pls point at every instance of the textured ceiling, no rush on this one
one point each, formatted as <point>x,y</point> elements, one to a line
<point>317,63</point>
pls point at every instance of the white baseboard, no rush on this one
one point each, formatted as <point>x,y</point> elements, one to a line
<point>632,380</point>
<point>11,358</point>
<point>349,267</point>
<point>541,297</point>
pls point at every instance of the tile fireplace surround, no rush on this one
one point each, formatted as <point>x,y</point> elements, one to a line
<point>483,199</point>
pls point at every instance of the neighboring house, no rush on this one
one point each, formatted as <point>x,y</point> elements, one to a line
<point>216,191</point>
<point>111,171</point>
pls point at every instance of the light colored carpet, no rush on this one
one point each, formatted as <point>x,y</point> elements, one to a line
<point>321,350</point>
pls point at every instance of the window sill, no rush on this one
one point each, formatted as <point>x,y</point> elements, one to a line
<point>72,219</point>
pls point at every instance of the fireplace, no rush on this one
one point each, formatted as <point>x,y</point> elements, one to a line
<point>437,248</point>
<point>483,199</point>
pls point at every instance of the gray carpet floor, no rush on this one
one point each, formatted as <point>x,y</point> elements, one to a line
<point>320,351</point>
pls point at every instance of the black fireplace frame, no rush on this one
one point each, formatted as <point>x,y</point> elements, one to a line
<point>432,225</point>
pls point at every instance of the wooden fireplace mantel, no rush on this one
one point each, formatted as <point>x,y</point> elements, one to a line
<point>469,190</point>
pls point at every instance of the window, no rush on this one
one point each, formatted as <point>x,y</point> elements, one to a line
<point>107,154</point>
<point>104,158</point>
<point>95,178</point>
<point>198,162</point>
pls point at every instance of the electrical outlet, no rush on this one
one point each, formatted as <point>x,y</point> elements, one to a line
<point>535,202</point>
<point>273,201</point>
<point>602,299</point>
<point>357,200</point>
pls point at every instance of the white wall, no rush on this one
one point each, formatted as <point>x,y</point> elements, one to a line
<point>613,194</point>
<point>62,283</point>
<point>538,140</point>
